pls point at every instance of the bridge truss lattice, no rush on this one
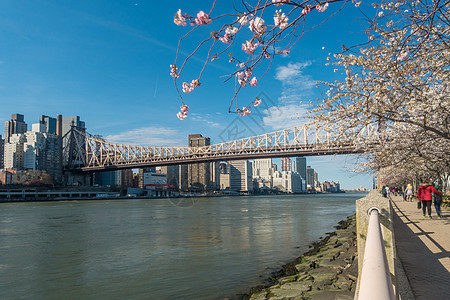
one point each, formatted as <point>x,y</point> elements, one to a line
<point>86,152</point>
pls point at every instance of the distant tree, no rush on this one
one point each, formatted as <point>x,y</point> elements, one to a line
<point>46,179</point>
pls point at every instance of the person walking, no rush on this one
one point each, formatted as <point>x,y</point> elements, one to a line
<point>425,196</point>
<point>437,201</point>
<point>383,191</point>
<point>409,192</point>
<point>388,192</point>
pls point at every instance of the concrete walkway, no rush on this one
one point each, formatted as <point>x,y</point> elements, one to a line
<point>423,248</point>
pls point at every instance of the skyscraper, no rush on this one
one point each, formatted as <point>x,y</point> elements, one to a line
<point>49,124</point>
<point>64,125</point>
<point>15,125</point>
<point>2,150</point>
<point>263,168</point>
<point>301,167</point>
<point>241,178</point>
<point>67,123</point>
<point>310,177</point>
<point>14,152</point>
<point>286,164</point>
<point>172,173</point>
<point>199,174</point>
<point>33,151</point>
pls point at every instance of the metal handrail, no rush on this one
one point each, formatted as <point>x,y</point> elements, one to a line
<point>375,281</point>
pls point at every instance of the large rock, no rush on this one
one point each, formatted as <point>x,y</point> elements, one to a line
<point>290,290</point>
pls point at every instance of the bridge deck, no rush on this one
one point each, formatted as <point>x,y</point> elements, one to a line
<point>423,248</point>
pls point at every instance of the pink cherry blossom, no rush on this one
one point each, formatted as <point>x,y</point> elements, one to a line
<point>279,2</point>
<point>187,88</point>
<point>249,47</point>
<point>322,8</point>
<point>306,10</point>
<point>280,19</point>
<point>253,82</point>
<point>202,18</point>
<point>231,30</point>
<point>244,112</point>
<point>257,102</point>
<point>179,19</point>
<point>195,83</point>
<point>257,25</point>
<point>402,55</point>
<point>248,73</point>
<point>173,71</point>
<point>243,19</point>
<point>184,108</point>
<point>181,115</point>
<point>225,39</point>
<point>242,80</point>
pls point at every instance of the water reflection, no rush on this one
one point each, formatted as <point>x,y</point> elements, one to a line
<point>195,248</point>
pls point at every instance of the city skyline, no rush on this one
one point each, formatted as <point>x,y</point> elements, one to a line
<point>109,64</point>
<point>294,162</point>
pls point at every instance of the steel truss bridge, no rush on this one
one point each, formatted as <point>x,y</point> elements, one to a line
<point>85,152</point>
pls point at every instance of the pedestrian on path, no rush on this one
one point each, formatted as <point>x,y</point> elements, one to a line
<point>409,193</point>
<point>437,200</point>
<point>383,191</point>
<point>425,196</point>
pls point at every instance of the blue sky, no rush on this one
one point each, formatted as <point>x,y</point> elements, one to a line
<point>108,62</point>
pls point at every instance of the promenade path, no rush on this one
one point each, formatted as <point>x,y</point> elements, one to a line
<point>423,248</point>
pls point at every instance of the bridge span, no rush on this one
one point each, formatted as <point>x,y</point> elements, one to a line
<point>85,152</point>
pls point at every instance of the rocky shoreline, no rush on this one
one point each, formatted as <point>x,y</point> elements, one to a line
<point>328,271</point>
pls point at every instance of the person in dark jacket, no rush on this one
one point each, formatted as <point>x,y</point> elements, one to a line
<point>425,195</point>
<point>437,200</point>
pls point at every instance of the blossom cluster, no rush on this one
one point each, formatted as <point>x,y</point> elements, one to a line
<point>322,8</point>
<point>259,46</point>
<point>201,19</point>
<point>249,47</point>
<point>184,109</point>
<point>179,19</point>
<point>189,87</point>
<point>229,33</point>
<point>280,2</point>
<point>280,20</point>
<point>244,77</point>
<point>174,71</point>
<point>257,25</point>
<point>245,111</point>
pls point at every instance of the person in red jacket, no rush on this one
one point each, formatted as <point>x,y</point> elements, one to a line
<point>424,194</point>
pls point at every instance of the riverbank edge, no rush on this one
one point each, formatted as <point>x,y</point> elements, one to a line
<point>327,271</point>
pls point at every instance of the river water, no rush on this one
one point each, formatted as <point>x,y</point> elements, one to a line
<point>196,248</point>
